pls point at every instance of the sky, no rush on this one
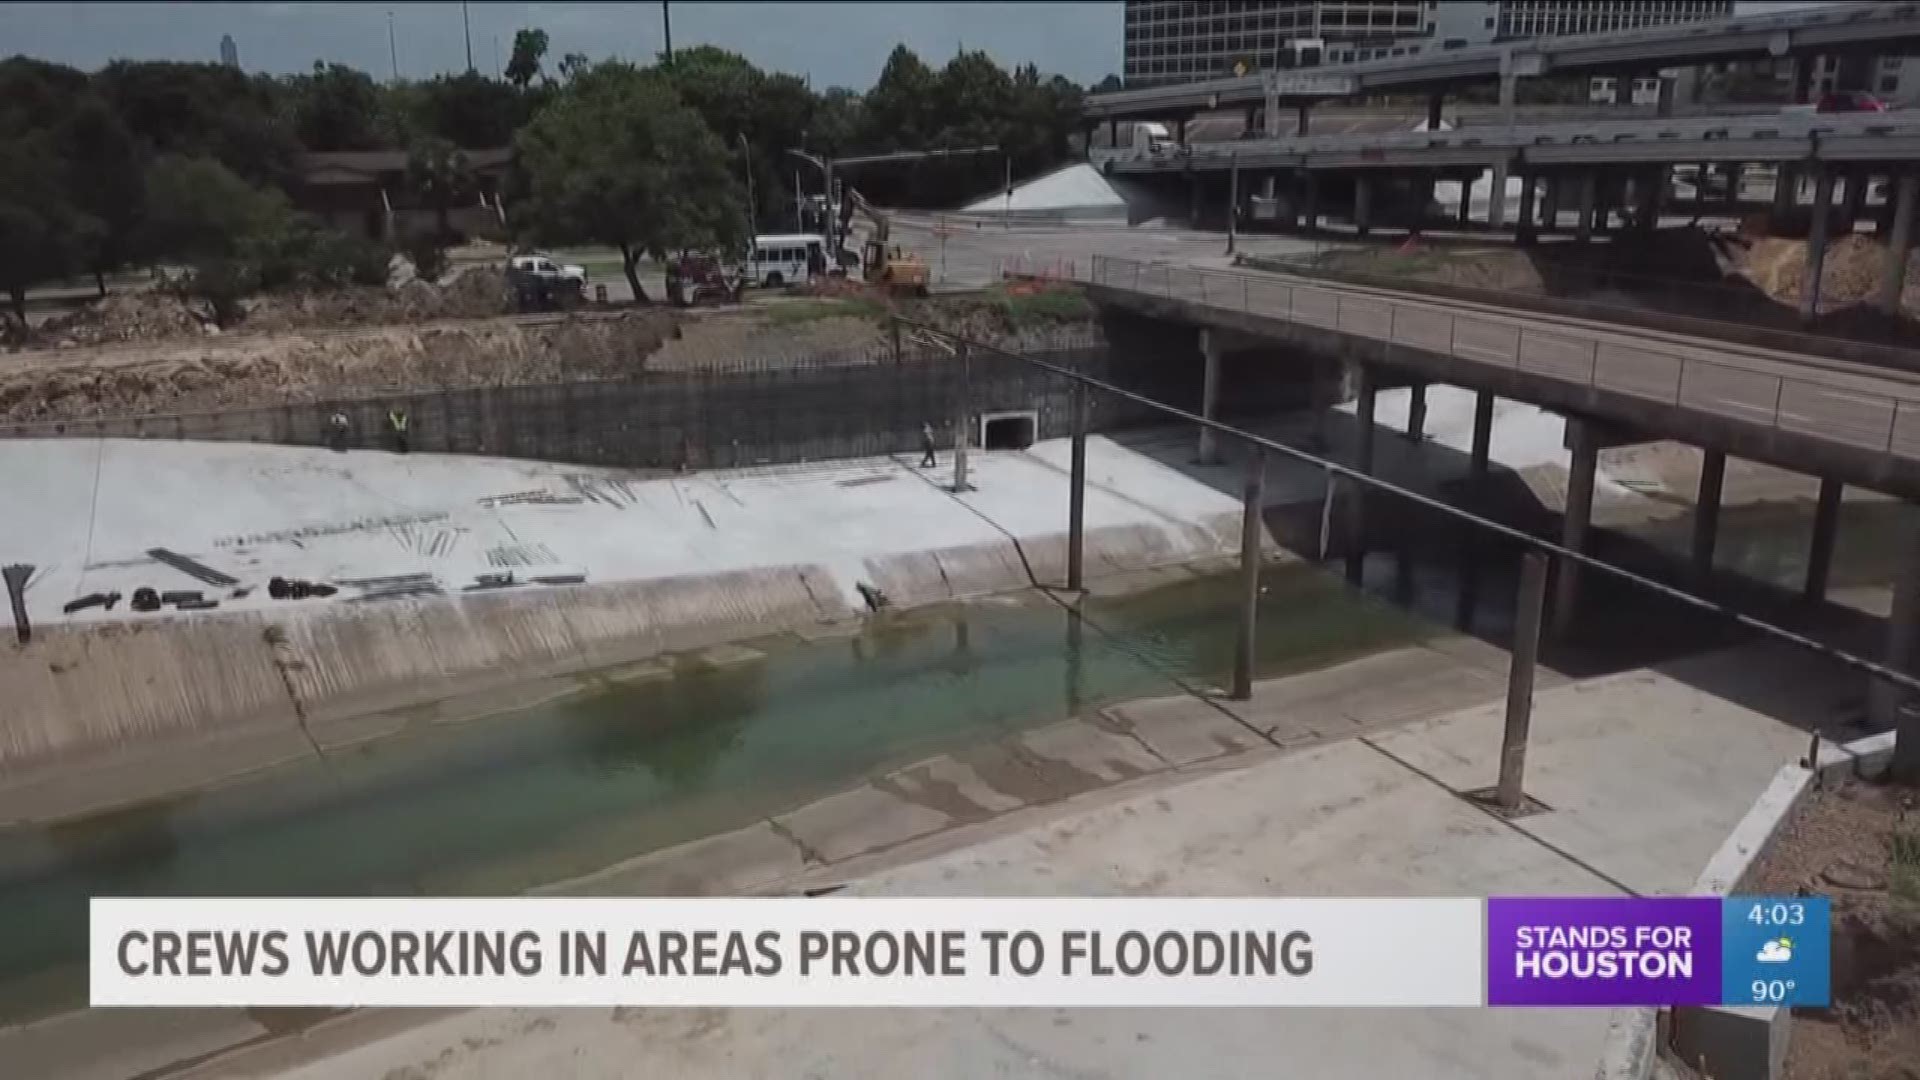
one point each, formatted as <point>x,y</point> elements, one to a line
<point>830,43</point>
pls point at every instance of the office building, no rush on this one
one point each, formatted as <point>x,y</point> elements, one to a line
<point>229,52</point>
<point>1174,41</point>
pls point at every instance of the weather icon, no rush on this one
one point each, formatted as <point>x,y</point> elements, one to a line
<point>1775,951</point>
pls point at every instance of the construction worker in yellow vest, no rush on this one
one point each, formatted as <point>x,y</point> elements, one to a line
<point>397,420</point>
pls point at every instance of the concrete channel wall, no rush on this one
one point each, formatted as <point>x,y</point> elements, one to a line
<point>82,689</point>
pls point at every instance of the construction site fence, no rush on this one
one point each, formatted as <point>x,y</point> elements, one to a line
<point>713,416</point>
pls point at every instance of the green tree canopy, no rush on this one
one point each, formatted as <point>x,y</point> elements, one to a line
<point>43,237</point>
<point>529,48</point>
<point>440,172</point>
<point>618,158</point>
<point>202,110</point>
<point>335,108</point>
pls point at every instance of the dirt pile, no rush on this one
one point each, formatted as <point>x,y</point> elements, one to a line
<point>261,370</point>
<point>1850,273</point>
<point>1858,843</point>
<point>161,315</point>
<point>119,318</point>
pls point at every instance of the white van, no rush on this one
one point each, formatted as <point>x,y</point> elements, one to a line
<point>785,259</point>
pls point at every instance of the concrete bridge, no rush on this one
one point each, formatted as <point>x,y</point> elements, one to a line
<point>1846,422</point>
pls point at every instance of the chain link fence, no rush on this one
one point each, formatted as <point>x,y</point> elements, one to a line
<point>723,414</point>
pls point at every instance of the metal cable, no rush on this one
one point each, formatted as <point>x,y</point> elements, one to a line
<point>1858,663</point>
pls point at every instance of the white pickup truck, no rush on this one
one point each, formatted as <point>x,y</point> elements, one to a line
<point>546,268</point>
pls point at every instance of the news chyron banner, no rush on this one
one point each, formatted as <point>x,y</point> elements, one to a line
<point>953,952</point>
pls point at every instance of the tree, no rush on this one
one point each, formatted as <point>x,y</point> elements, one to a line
<point>41,233</point>
<point>1108,85</point>
<point>203,110</point>
<point>335,108</point>
<point>470,110</point>
<point>529,48</point>
<point>738,100</point>
<point>573,64</point>
<point>617,158</point>
<point>900,106</point>
<point>198,208</point>
<point>439,171</point>
<point>105,181</point>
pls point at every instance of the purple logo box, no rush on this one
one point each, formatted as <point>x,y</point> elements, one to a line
<point>1603,951</point>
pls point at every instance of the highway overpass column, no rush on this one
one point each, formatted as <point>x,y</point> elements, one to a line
<point>1362,204</point>
<point>1549,203</point>
<point>1466,199</point>
<point>1435,102</point>
<point>1578,514</point>
<point>1648,187</point>
<point>1416,411</point>
<point>1826,529</point>
<point>1583,225</point>
<point>1497,196</point>
<point>1706,511</point>
<point>1363,461</point>
<point>1523,224</point>
<point>1469,596</point>
<point>1883,698</point>
<point>1209,395</point>
<point>1817,244</point>
<point>1301,122</point>
<point>1786,189</point>
<point>1310,201</point>
<point>1893,273</point>
<point>1733,171</point>
<point>1853,199</point>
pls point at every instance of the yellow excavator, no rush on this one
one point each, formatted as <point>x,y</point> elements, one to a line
<point>892,268</point>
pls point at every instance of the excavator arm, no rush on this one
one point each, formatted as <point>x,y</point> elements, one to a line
<point>881,226</point>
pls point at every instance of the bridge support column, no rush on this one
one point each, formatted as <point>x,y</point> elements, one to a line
<point>1786,189</point>
<point>1362,204</point>
<point>1497,196</point>
<point>1303,112</point>
<point>1363,461</point>
<point>1209,453</point>
<point>1309,202</point>
<point>1468,598</point>
<point>1883,698</point>
<point>1706,512</point>
<point>1893,272</point>
<point>1853,199</point>
<point>1549,203</point>
<point>1416,412</point>
<point>1648,187</point>
<point>1435,102</point>
<point>1193,201</point>
<point>1466,199</point>
<point>1826,529</point>
<point>1113,133</point>
<point>1734,170</point>
<point>1585,443</point>
<point>1817,244</point>
<point>1583,225</point>
<point>1523,223</point>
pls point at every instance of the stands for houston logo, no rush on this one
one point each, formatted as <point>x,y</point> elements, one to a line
<point>1621,951</point>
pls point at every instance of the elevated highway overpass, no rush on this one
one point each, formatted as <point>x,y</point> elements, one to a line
<point>1846,422</point>
<point>1827,28</point>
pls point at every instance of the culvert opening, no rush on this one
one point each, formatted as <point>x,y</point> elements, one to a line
<point>1009,430</point>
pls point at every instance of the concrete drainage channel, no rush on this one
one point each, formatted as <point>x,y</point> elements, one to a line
<point>1744,1043</point>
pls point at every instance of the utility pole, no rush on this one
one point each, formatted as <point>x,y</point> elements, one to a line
<point>466,28</point>
<point>393,50</point>
<point>746,158</point>
<point>666,28</point>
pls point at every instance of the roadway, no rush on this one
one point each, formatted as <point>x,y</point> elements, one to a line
<point>1885,28</point>
<point>1832,418</point>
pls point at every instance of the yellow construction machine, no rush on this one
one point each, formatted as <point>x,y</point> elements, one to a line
<point>892,268</point>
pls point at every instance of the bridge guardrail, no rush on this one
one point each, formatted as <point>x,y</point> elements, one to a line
<point>1857,410</point>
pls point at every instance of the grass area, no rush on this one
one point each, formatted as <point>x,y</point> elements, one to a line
<point>1029,307</point>
<point>797,312</point>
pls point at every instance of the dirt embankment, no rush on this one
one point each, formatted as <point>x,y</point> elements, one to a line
<point>135,355</point>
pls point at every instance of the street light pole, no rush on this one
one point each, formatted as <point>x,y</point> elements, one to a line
<point>746,155</point>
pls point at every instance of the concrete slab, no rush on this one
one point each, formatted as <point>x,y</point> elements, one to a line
<point>730,864</point>
<point>1645,775</point>
<point>1079,746</point>
<point>122,1043</point>
<point>1182,730</point>
<point>858,821</point>
<point>950,787</point>
<point>1361,695</point>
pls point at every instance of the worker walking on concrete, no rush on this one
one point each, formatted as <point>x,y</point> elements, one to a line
<point>926,446</point>
<point>397,421</point>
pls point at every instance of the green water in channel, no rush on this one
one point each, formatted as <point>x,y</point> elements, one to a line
<point>625,766</point>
